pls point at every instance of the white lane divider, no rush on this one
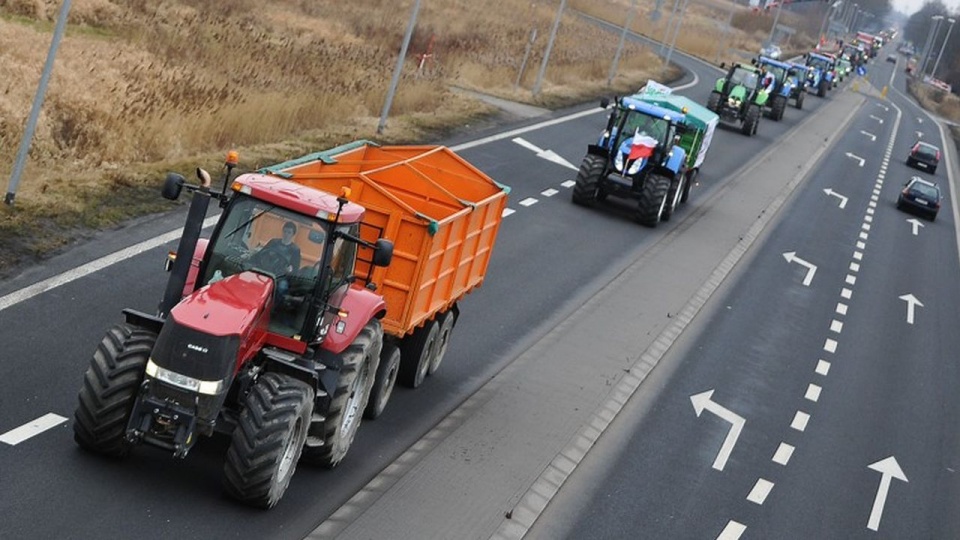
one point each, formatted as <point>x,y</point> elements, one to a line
<point>760,491</point>
<point>30,429</point>
<point>783,454</point>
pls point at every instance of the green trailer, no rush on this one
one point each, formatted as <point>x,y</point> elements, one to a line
<point>704,121</point>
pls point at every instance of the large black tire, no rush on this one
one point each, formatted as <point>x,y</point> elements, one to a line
<point>799,103</point>
<point>416,353</point>
<point>674,195</point>
<point>653,200</point>
<point>384,382</point>
<point>750,120</point>
<point>713,102</point>
<point>822,88</point>
<point>268,440</point>
<point>779,105</point>
<point>587,189</point>
<point>331,435</point>
<point>446,321</point>
<point>110,388</point>
<point>691,181</point>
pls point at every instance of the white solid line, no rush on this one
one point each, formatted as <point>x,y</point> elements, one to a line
<point>38,426</point>
<point>830,345</point>
<point>846,293</point>
<point>529,201</point>
<point>549,192</point>
<point>813,393</point>
<point>823,367</point>
<point>783,454</point>
<point>851,280</point>
<point>854,267</point>
<point>506,212</point>
<point>800,421</point>
<point>841,308</point>
<point>836,326</point>
<point>732,531</point>
<point>569,183</point>
<point>760,491</point>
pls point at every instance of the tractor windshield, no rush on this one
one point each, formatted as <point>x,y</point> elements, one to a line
<point>643,124</point>
<point>777,71</point>
<point>820,64</point>
<point>745,77</point>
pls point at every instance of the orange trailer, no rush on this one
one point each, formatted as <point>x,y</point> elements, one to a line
<point>441,212</point>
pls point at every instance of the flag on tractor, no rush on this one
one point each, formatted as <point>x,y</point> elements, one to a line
<point>642,146</point>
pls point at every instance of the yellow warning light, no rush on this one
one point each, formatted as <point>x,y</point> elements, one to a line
<point>233,157</point>
<point>345,192</point>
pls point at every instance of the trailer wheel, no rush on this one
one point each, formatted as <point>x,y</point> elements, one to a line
<point>268,440</point>
<point>587,189</point>
<point>110,388</point>
<point>691,181</point>
<point>677,185</point>
<point>446,322</point>
<point>332,434</point>
<point>416,352</point>
<point>653,200</point>
<point>384,381</point>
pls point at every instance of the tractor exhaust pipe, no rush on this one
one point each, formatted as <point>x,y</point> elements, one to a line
<point>188,240</point>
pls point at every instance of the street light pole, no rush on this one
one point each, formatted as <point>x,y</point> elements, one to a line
<point>776,18</point>
<point>676,30</point>
<point>398,68</point>
<point>826,17</point>
<point>933,42</point>
<point>936,64</point>
<point>546,54</point>
<point>623,38</point>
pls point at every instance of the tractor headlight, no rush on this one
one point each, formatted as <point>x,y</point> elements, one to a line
<point>210,388</point>
<point>635,166</point>
<point>618,161</point>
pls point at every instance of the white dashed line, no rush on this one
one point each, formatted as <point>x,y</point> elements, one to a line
<point>851,280</point>
<point>569,183</point>
<point>800,421</point>
<point>836,326</point>
<point>830,346</point>
<point>861,245</point>
<point>857,254</point>
<point>868,219</point>
<point>841,308</point>
<point>506,212</point>
<point>732,531</point>
<point>846,293</point>
<point>36,427</point>
<point>760,491</point>
<point>823,367</point>
<point>813,393</point>
<point>783,454</point>
<point>864,236</point>
<point>549,192</point>
<point>854,267</point>
<point>529,201</point>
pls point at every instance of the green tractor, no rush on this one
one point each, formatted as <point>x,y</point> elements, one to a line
<point>739,97</point>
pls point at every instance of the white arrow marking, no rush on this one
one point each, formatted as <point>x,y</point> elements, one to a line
<point>884,107</point>
<point>832,193</point>
<point>703,402</point>
<point>548,155</point>
<point>877,118</point>
<point>916,225</point>
<point>791,256</point>
<point>919,134</point>
<point>919,120</point>
<point>912,303</point>
<point>871,135</point>
<point>856,157</point>
<point>889,469</point>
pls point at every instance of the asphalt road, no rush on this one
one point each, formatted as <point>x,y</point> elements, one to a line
<point>547,263</point>
<point>844,394</point>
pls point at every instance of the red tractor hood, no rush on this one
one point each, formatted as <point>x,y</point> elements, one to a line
<point>231,306</point>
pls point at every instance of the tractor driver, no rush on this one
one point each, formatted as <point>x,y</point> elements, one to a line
<point>644,124</point>
<point>281,255</point>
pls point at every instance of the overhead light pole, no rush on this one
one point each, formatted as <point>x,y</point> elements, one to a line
<point>776,18</point>
<point>933,40</point>
<point>827,16</point>
<point>936,64</point>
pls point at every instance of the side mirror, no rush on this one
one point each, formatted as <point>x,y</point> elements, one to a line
<point>316,237</point>
<point>604,102</point>
<point>382,252</point>
<point>172,185</point>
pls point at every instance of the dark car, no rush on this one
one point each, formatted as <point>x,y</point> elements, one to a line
<point>920,196</point>
<point>924,156</point>
<point>892,58</point>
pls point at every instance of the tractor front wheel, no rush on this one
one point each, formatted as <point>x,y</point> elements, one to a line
<point>110,388</point>
<point>332,434</point>
<point>822,88</point>
<point>713,102</point>
<point>268,440</point>
<point>653,200</point>
<point>779,105</point>
<point>750,120</point>
<point>799,102</point>
<point>587,189</point>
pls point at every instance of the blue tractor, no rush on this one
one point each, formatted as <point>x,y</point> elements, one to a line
<point>800,73</point>
<point>821,76</point>
<point>639,157</point>
<point>784,81</point>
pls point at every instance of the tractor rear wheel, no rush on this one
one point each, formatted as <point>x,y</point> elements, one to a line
<point>268,440</point>
<point>779,105</point>
<point>331,435</point>
<point>110,388</point>
<point>416,354</point>
<point>674,195</point>
<point>446,322</point>
<point>653,200</point>
<point>713,102</point>
<point>384,381</point>
<point>587,189</point>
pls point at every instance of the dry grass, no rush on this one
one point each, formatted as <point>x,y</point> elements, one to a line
<point>143,86</point>
<point>943,103</point>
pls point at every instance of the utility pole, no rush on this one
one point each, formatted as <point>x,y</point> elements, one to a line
<point>546,55</point>
<point>937,63</point>
<point>398,68</point>
<point>623,38</point>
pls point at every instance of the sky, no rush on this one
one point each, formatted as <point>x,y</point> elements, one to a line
<point>911,6</point>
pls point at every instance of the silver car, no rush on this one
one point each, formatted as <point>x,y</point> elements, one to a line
<point>771,50</point>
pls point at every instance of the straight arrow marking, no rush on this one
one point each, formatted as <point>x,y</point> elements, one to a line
<point>702,402</point>
<point>832,193</point>
<point>871,135</point>
<point>791,256</point>
<point>856,157</point>
<point>916,225</point>
<point>889,469</point>
<point>912,303</point>
<point>548,155</point>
